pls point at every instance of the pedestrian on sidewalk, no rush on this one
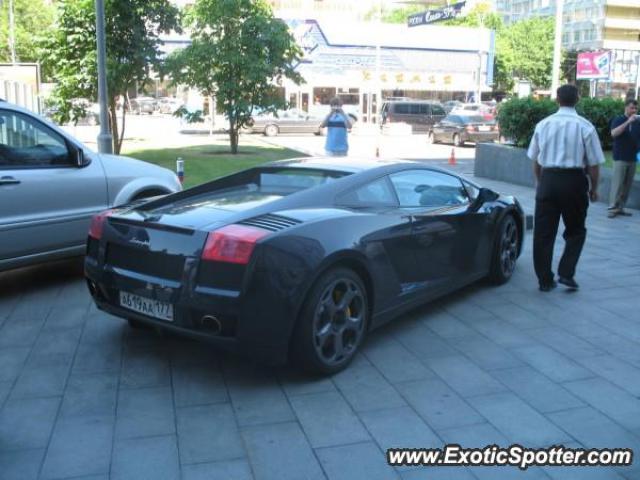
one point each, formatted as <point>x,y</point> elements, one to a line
<point>625,130</point>
<point>337,123</point>
<point>567,154</point>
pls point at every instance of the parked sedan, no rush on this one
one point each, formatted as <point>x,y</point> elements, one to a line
<point>301,258</point>
<point>459,129</point>
<point>140,105</point>
<point>51,185</point>
<point>285,121</point>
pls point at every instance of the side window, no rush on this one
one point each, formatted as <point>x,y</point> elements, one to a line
<point>402,108</point>
<point>424,109</point>
<point>414,109</point>
<point>374,194</point>
<point>437,110</point>
<point>26,143</point>
<point>472,190</point>
<point>426,188</point>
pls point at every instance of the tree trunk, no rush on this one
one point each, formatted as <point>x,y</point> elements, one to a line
<point>124,113</point>
<point>233,135</point>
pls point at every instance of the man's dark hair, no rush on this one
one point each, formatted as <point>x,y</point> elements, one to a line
<point>567,96</point>
<point>630,101</point>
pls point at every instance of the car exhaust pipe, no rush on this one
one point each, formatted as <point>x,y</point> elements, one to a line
<point>211,323</point>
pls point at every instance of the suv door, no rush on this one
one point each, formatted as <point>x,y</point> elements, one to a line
<point>437,113</point>
<point>46,199</point>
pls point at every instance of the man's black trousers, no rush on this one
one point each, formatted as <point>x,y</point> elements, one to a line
<point>561,193</point>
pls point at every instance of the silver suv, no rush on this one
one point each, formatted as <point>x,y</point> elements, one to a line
<point>51,185</point>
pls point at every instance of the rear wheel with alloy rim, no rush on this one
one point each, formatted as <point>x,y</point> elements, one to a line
<point>332,323</point>
<point>506,251</point>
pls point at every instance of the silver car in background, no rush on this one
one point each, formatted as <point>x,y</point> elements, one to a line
<point>51,185</point>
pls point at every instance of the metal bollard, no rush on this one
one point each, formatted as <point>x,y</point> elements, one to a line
<point>180,169</point>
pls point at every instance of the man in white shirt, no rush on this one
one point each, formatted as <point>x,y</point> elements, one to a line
<point>567,154</point>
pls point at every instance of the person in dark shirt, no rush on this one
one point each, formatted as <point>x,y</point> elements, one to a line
<point>625,130</point>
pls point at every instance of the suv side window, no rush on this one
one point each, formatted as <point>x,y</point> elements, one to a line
<point>424,109</point>
<point>402,108</point>
<point>427,188</point>
<point>437,110</point>
<point>27,143</point>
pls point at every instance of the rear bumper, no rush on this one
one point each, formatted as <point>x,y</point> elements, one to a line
<point>478,137</point>
<point>241,332</point>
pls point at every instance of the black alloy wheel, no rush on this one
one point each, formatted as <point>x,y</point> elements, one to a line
<point>506,251</point>
<point>332,323</point>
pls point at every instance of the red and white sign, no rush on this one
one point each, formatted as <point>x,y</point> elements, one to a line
<point>593,65</point>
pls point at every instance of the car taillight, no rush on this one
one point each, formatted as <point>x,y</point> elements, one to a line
<point>97,224</point>
<point>470,128</point>
<point>232,244</point>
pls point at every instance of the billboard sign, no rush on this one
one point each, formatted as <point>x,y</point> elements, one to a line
<point>432,16</point>
<point>592,65</point>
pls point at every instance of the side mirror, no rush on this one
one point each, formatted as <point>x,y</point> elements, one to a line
<point>486,195</point>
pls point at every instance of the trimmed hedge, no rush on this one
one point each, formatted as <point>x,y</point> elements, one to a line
<point>518,117</point>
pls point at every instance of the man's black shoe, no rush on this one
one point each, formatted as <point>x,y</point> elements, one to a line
<point>569,282</point>
<point>547,287</point>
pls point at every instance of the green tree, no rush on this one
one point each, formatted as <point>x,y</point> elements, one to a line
<point>32,20</point>
<point>133,29</point>
<point>238,50</point>
<point>528,49</point>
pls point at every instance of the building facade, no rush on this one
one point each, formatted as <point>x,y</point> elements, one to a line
<point>590,25</point>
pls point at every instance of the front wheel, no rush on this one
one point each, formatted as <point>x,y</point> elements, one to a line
<point>505,253</point>
<point>271,130</point>
<point>332,323</point>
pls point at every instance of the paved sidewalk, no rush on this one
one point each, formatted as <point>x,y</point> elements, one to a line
<point>82,396</point>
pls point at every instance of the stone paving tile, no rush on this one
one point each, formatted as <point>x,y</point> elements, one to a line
<point>227,470</point>
<point>145,412</point>
<point>327,420</point>
<point>66,318</point>
<point>43,376</point>
<point>438,405</point>
<point>537,390</point>
<point>258,399</point>
<point>554,365</point>
<point>27,423</point>
<point>611,400</point>
<point>362,461</point>
<point>90,394</point>
<point>485,353</point>
<point>393,360</point>
<point>97,358</point>
<point>12,359</point>
<point>463,376</point>
<point>582,473</point>
<point>445,324</point>
<point>153,458</point>
<point>5,388</point>
<point>518,421</point>
<point>617,371</point>
<point>145,368</point>
<point>501,332</point>
<point>366,389</point>
<point>517,316</point>
<point>208,434</point>
<point>20,332</point>
<point>565,343</point>
<point>295,382</point>
<point>281,451</point>
<point>400,428</point>
<point>79,446</point>
<point>422,342</point>
<point>198,385</point>
<point>21,464</point>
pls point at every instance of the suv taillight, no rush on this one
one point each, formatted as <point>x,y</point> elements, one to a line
<point>232,244</point>
<point>97,224</point>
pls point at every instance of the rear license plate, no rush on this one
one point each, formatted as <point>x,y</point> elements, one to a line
<point>484,128</point>
<point>147,306</point>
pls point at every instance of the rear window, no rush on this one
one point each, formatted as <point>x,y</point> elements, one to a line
<point>475,119</point>
<point>295,179</point>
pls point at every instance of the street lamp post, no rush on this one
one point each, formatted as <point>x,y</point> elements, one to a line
<point>557,49</point>
<point>105,139</point>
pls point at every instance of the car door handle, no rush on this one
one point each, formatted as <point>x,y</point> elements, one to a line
<point>8,181</point>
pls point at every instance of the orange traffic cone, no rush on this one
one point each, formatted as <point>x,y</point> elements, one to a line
<point>452,157</point>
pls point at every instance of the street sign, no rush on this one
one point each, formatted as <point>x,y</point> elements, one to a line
<point>432,16</point>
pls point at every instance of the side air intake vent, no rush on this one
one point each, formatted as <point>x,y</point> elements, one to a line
<point>271,222</point>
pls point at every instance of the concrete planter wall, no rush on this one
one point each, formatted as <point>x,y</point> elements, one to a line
<point>511,164</point>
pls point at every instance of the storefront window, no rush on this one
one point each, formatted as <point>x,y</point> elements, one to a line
<point>349,96</point>
<point>323,95</point>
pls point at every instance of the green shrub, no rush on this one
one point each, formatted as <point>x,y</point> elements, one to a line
<point>600,111</point>
<point>518,117</point>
